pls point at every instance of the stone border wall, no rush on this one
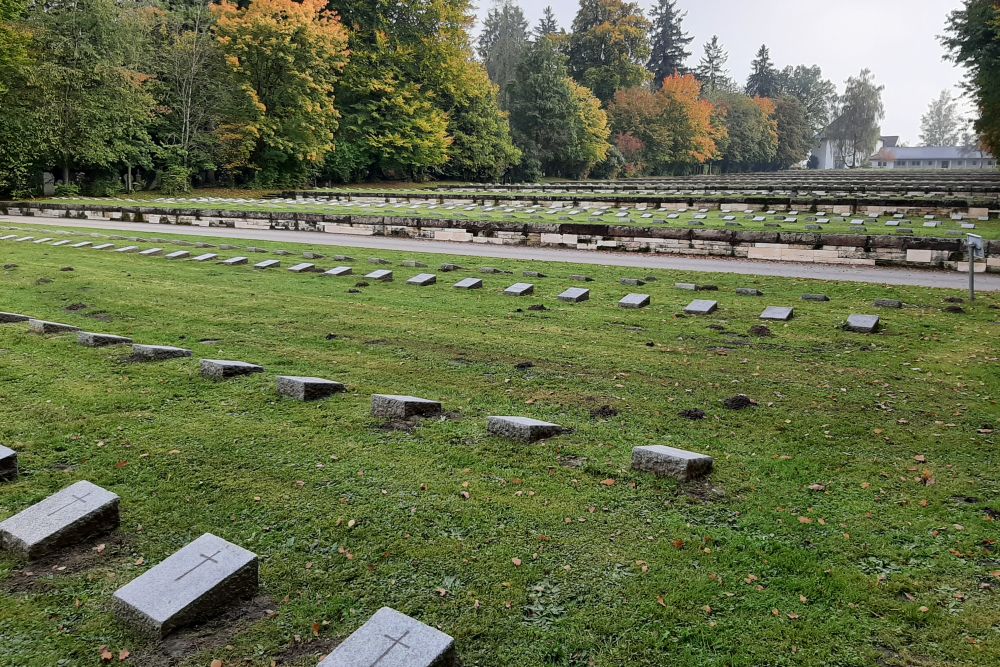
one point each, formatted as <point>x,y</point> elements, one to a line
<point>850,249</point>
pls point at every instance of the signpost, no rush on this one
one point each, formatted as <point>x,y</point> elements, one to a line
<point>977,250</point>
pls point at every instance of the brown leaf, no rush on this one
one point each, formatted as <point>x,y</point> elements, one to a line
<point>678,544</point>
<point>100,548</point>
<point>660,601</point>
<point>805,519</point>
<point>920,458</point>
<point>316,628</point>
<point>106,655</point>
<point>123,655</point>
<point>516,562</point>
<point>609,482</point>
<point>121,464</point>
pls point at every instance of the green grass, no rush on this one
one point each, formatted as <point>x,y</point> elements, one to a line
<point>837,225</point>
<point>644,572</point>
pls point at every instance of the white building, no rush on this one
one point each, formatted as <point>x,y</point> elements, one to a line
<point>932,157</point>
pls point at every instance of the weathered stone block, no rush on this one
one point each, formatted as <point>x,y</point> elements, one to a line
<point>151,252</point>
<point>777,313</point>
<point>469,283</point>
<point>422,280</point>
<point>701,307</point>
<point>575,295</point>
<point>748,291</point>
<point>671,462</point>
<point>403,407</point>
<point>91,339</point>
<point>207,257</point>
<point>8,464</point>
<point>888,303</point>
<point>43,327</point>
<point>339,271</point>
<point>635,301</point>
<point>219,369</point>
<point>392,639</point>
<point>520,289</point>
<point>68,517</point>
<point>302,267</point>
<point>178,254</point>
<point>236,261</point>
<point>862,323</point>
<point>194,584</point>
<point>12,318</point>
<point>815,297</point>
<point>267,264</point>
<point>307,388</point>
<point>524,429</point>
<point>633,282</point>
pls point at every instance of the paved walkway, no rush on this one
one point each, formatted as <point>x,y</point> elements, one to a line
<point>864,274</point>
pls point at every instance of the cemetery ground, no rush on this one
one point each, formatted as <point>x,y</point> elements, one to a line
<point>849,519</point>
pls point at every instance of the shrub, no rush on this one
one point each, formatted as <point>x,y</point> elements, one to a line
<point>175,180</point>
<point>105,186</point>
<point>67,190</point>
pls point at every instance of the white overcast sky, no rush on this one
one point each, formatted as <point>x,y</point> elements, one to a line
<point>896,39</point>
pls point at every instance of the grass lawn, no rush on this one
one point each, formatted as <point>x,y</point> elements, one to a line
<point>658,217</point>
<point>849,520</point>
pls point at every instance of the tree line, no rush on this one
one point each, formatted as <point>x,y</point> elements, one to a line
<point>113,96</point>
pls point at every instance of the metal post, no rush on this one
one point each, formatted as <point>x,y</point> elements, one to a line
<point>972,273</point>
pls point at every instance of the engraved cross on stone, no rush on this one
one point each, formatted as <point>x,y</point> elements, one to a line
<point>395,642</point>
<point>76,499</point>
<point>204,559</point>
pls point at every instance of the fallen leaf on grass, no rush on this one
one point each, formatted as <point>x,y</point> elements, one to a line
<point>516,562</point>
<point>106,655</point>
<point>315,629</point>
<point>123,655</point>
<point>609,482</point>
<point>817,487</point>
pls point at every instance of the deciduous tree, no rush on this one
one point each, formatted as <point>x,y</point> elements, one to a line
<point>973,40</point>
<point>855,131</point>
<point>816,94</point>
<point>941,125</point>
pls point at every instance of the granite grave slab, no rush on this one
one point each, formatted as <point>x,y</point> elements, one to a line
<point>91,339</point>
<point>303,388</point>
<point>671,462</point>
<point>221,369</point>
<point>524,429</point>
<point>403,407</point>
<point>392,639</point>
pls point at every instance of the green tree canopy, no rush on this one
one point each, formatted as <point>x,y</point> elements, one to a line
<point>502,42</point>
<point>763,79</point>
<point>609,46</point>
<point>669,42</point>
<point>941,125</point>
<point>973,40</point>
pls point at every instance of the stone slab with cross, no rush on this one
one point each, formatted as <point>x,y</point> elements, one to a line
<point>393,639</point>
<point>68,517</point>
<point>192,585</point>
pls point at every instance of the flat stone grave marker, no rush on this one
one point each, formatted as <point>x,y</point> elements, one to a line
<point>533,274</point>
<point>583,279</point>
<point>8,237</point>
<point>311,255</point>
<point>968,225</point>
<point>91,339</point>
<point>749,291</point>
<point>81,244</point>
<point>158,352</point>
<point>469,283</point>
<point>378,260</point>
<point>193,584</point>
<point>68,517</point>
<point>759,218</point>
<point>11,318</point>
<point>898,216</point>
<point>403,407</point>
<point>151,252</point>
<point>888,303</point>
<point>381,275</point>
<point>815,297</point>
<point>207,257</point>
<point>892,223</point>
<point>179,254</point>
<point>520,289</point>
<point>448,268</point>
<point>422,280</point>
<point>862,323</point>
<point>392,639</point>
<point>701,307</point>
<point>283,253</point>
<point>691,287</point>
<point>228,247</point>
<point>220,369</point>
<point>103,246</point>
<point>822,221</point>
<point>634,301</point>
<point>339,271</point>
<point>27,238</point>
<point>44,327</point>
<point>673,216</point>
<point>300,268</point>
<point>857,222</point>
<point>647,215</point>
<point>777,313</point>
<point>524,429</point>
<point>671,462</point>
<point>127,249</point>
<point>701,216</point>
<point>729,217</point>
<point>633,282</point>
<point>932,224</point>
<point>814,228</point>
<point>236,261</point>
<point>59,244</point>
<point>575,295</point>
<point>8,464</point>
<point>267,264</point>
<point>307,388</point>
<point>929,217</point>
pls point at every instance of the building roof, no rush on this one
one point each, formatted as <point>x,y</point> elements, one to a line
<point>890,141</point>
<point>931,153</point>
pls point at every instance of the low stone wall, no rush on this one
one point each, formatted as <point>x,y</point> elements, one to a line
<point>850,249</point>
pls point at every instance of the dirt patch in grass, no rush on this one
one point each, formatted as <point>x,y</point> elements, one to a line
<point>43,281</point>
<point>100,316</point>
<point>603,412</point>
<point>694,414</point>
<point>38,576</point>
<point>573,461</point>
<point>739,402</point>
<point>760,331</point>
<point>206,637</point>
<point>958,310</point>
<point>75,307</point>
<point>315,650</point>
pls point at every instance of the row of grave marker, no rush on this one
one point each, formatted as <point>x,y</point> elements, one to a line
<point>209,574</point>
<point>856,322</point>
